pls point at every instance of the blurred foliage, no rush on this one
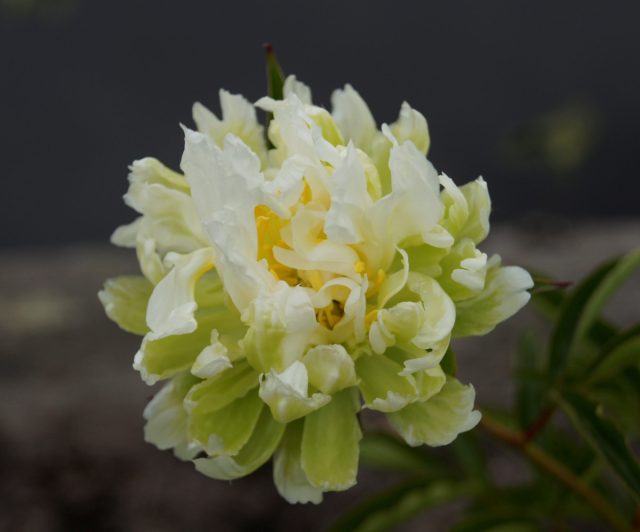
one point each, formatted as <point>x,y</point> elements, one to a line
<point>575,422</point>
<point>559,142</point>
<point>48,9</point>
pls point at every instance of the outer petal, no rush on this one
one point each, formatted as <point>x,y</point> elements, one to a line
<point>345,220</point>
<point>330,368</point>
<point>262,444</point>
<point>213,359</point>
<point>439,420</point>
<point>464,270</point>
<point>166,417</point>
<point>413,208</point>
<point>286,393</point>
<point>293,86</point>
<point>219,391</point>
<point>227,186</point>
<point>353,117</point>
<point>382,386</point>
<point>467,209</point>
<point>281,326</point>
<point>412,125</point>
<point>505,293</point>
<point>162,197</point>
<point>125,302</point>
<point>238,118</point>
<point>160,359</point>
<point>172,304</point>
<point>289,477</point>
<point>227,430</point>
<point>330,443</point>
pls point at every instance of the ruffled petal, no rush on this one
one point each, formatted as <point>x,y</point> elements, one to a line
<point>330,443</point>
<point>289,477</point>
<point>440,419</point>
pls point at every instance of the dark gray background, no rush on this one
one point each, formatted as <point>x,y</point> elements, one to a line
<point>87,87</point>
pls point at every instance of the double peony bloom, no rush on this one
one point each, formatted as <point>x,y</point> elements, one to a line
<point>286,289</point>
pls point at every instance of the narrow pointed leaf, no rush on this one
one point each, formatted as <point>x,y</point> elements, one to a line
<point>604,437</point>
<point>620,353</point>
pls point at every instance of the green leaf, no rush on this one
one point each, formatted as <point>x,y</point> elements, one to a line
<point>385,452</point>
<point>621,352</point>
<point>581,310</point>
<point>275,84</point>
<point>604,437</point>
<point>400,503</point>
<point>504,520</point>
<point>620,398</point>
<point>530,396</point>
<point>471,457</point>
<point>275,76</point>
<point>549,304</point>
<point>622,269</point>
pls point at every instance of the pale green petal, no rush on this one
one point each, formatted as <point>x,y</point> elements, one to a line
<point>479,202</point>
<point>345,221</point>
<point>440,419</point>
<point>213,359</point>
<point>125,301</point>
<point>220,390</point>
<point>227,186</point>
<point>227,430</point>
<point>429,381</point>
<point>126,236</point>
<point>330,368</point>
<point>166,417</point>
<point>382,386</point>
<point>160,359</point>
<point>395,282</point>
<point>412,125</point>
<point>413,207</point>
<point>294,86</point>
<point>439,310</point>
<point>151,171</point>
<point>172,304</point>
<point>464,270</point>
<point>505,293</point>
<point>289,477</point>
<point>353,117</point>
<point>149,259</point>
<point>327,125</point>
<point>169,218</point>
<point>238,118</point>
<point>281,324</point>
<point>260,447</point>
<point>467,209</point>
<point>427,359</point>
<point>287,395</point>
<point>331,443</point>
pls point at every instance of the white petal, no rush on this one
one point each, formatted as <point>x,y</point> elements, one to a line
<point>353,117</point>
<point>172,304</point>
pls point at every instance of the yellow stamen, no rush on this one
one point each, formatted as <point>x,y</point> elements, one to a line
<point>370,318</point>
<point>360,267</point>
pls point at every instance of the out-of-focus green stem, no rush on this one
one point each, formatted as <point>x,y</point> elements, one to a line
<point>557,470</point>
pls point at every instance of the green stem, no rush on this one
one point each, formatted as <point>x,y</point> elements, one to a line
<point>557,470</point>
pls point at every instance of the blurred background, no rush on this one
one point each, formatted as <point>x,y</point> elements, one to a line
<point>542,99</point>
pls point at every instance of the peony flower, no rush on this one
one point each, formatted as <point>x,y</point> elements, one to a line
<point>286,289</point>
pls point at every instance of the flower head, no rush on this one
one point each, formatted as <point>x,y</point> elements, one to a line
<point>285,289</point>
